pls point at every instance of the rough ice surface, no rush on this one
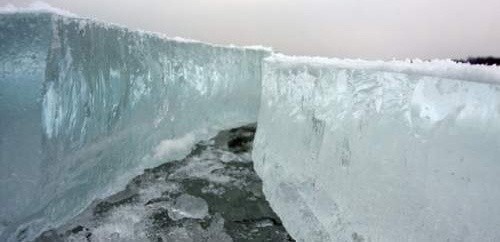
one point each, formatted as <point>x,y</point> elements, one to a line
<point>85,106</point>
<point>156,206</point>
<point>188,206</point>
<point>364,151</point>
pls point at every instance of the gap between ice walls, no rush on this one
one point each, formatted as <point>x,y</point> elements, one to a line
<point>372,149</point>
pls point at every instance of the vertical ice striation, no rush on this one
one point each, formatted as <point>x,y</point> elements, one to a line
<point>22,68</point>
<point>381,151</point>
<point>86,105</point>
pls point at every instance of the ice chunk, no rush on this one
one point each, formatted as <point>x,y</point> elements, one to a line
<point>125,223</point>
<point>372,151</point>
<point>187,206</point>
<point>85,106</point>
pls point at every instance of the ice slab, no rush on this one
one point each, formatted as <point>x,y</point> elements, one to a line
<point>353,150</point>
<point>86,105</point>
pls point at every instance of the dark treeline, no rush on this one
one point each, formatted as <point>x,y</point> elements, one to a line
<point>490,60</point>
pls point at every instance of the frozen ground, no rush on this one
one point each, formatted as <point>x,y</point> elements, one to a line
<point>211,195</point>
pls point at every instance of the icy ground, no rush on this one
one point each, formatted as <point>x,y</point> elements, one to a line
<point>211,195</point>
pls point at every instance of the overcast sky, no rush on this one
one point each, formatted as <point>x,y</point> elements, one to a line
<point>372,29</point>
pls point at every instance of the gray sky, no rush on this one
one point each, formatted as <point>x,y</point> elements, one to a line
<point>371,29</point>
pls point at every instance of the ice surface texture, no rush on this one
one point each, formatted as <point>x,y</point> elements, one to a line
<point>85,106</point>
<point>225,203</point>
<point>370,151</point>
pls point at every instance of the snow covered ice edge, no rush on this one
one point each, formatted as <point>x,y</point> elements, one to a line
<point>35,7</point>
<point>443,68</point>
<point>40,7</point>
<point>434,68</point>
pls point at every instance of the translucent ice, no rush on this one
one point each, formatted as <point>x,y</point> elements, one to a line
<point>347,149</point>
<point>85,106</point>
<point>187,206</point>
<point>381,151</point>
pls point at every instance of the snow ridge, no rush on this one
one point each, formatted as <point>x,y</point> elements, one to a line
<point>447,69</point>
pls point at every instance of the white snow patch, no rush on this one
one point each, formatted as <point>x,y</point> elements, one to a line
<point>170,147</point>
<point>434,68</point>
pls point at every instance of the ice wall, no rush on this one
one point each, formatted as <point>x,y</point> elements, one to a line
<point>84,106</point>
<point>354,150</point>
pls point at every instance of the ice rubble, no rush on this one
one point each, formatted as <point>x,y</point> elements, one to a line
<point>352,150</point>
<point>85,106</point>
<point>159,206</point>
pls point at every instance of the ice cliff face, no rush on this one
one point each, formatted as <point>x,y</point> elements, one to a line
<point>85,106</point>
<point>372,151</point>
